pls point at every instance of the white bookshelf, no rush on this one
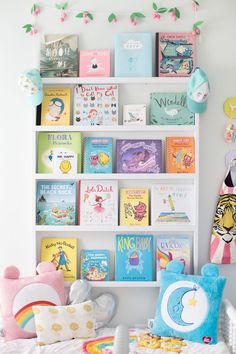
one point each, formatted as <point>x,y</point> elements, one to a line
<point>134,88</point>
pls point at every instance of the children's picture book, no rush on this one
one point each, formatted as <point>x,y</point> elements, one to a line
<point>133,54</point>
<point>138,156</point>
<point>98,155</point>
<point>134,206</point>
<point>65,163</point>
<point>134,258</point>
<point>172,203</point>
<point>95,63</point>
<point>180,154</point>
<point>52,145</point>
<point>134,114</point>
<point>175,54</point>
<point>172,247</point>
<point>94,265</point>
<point>98,202</point>
<point>59,56</point>
<point>63,253</point>
<point>55,106</point>
<point>96,105</point>
<point>170,109</point>
<point>56,203</point>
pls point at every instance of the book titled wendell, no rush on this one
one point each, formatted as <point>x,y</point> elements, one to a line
<point>134,258</point>
<point>94,265</point>
<point>180,154</point>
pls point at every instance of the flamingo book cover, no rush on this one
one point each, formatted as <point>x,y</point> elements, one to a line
<point>170,109</point>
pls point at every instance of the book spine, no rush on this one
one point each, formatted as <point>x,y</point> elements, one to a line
<point>157,54</point>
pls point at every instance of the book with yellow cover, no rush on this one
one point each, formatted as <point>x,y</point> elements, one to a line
<point>180,154</point>
<point>134,206</point>
<point>55,106</point>
<point>63,253</point>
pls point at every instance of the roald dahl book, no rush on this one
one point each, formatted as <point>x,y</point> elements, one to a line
<point>98,202</point>
<point>56,203</point>
<point>63,253</point>
<point>94,265</point>
<point>94,63</point>
<point>180,154</point>
<point>134,258</point>
<point>134,206</point>
<point>98,155</point>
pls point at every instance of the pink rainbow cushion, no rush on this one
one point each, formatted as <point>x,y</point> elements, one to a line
<point>18,295</point>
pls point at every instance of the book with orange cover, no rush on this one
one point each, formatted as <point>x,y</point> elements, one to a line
<point>180,154</point>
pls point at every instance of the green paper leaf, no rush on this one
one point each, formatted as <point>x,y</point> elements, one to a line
<point>65,6</point>
<point>27,27</point>
<point>90,16</point>
<point>177,12</point>
<point>162,10</point>
<point>111,17</point>
<point>171,9</point>
<point>80,15</point>
<point>33,8</point>
<point>154,6</point>
<point>58,6</point>
<point>138,14</point>
<point>132,16</point>
<point>195,2</point>
<point>197,24</point>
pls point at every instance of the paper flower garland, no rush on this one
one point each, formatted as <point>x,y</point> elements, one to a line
<point>35,9</point>
<point>174,13</point>
<point>62,7</point>
<point>112,18</point>
<point>86,16</point>
<point>196,29</point>
<point>31,29</point>
<point>135,16</point>
<point>195,5</point>
<point>158,11</point>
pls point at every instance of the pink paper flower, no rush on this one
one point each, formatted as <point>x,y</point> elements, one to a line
<point>114,20</point>
<point>156,15</point>
<point>33,31</point>
<point>36,11</point>
<point>173,16</point>
<point>133,22</point>
<point>194,7</point>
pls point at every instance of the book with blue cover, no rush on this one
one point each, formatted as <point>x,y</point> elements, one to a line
<point>133,54</point>
<point>134,258</point>
<point>56,203</point>
<point>170,109</point>
<point>94,265</point>
<point>97,155</point>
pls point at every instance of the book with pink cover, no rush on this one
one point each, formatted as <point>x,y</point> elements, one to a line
<point>94,63</point>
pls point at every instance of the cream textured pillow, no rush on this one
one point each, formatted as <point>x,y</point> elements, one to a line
<point>59,323</point>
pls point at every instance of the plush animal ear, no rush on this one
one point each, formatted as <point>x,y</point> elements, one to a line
<point>175,267</point>
<point>11,272</point>
<point>45,267</point>
<point>210,270</point>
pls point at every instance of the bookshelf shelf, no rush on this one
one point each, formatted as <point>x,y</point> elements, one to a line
<point>122,284</point>
<point>118,128</point>
<point>127,229</point>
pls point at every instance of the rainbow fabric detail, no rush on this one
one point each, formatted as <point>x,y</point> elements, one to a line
<point>98,345</point>
<point>25,314</point>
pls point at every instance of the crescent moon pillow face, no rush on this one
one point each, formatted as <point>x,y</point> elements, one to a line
<point>18,295</point>
<point>188,306</point>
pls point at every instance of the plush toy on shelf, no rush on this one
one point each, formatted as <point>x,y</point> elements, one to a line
<point>30,83</point>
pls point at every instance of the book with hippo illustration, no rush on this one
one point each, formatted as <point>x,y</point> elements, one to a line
<point>134,206</point>
<point>98,155</point>
<point>170,109</point>
<point>56,203</point>
<point>134,258</point>
<point>94,265</point>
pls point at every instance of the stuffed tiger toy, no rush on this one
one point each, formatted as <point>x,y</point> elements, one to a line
<point>223,240</point>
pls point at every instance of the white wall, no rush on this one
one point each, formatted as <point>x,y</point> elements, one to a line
<point>216,54</point>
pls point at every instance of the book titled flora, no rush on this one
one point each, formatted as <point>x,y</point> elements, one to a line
<point>53,147</point>
<point>55,106</point>
<point>169,248</point>
<point>134,258</point>
<point>98,155</point>
<point>170,109</point>
<point>172,203</point>
<point>134,114</point>
<point>94,63</point>
<point>63,253</point>
<point>98,202</point>
<point>96,105</point>
<point>180,154</point>
<point>94,265</point>
<point>59,56</point>
<point>134,206</point>
<point>56,203</point>
<point>133,54</point>
<point>175,53</point>
<point>138,156</point>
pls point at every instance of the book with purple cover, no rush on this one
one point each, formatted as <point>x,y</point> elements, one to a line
<point>138,156</point>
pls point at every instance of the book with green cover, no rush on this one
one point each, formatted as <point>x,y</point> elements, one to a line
<point>50,144</point>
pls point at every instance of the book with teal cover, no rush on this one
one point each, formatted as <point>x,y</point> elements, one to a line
<point>56,203</point>
<point>97,155</point>
<point>170,109</point>
<point>94,265</point>
<point>134,258</point>
<point>133,54</point>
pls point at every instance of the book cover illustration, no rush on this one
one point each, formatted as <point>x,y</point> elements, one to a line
<point>134,114</point>
<point>63,253</point>
<point>56,203</point>
<point>55,106</point>
<point>175,54</point>
<point>138,156</point>
<point>65,163</point>
<point>94,265</point>
<point>172,203</point>
<point>98,155</point>
<point>171,248</point>
<point>59,56</point>
<point>134,206</point>
<point>134,258</point>
<point>96,105</point>
<point>170,109</point>
<point>133,54</point>
<point>98,202</point>
<point>52,144</point>
<point>94,63</point>
<point>180,154</point>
